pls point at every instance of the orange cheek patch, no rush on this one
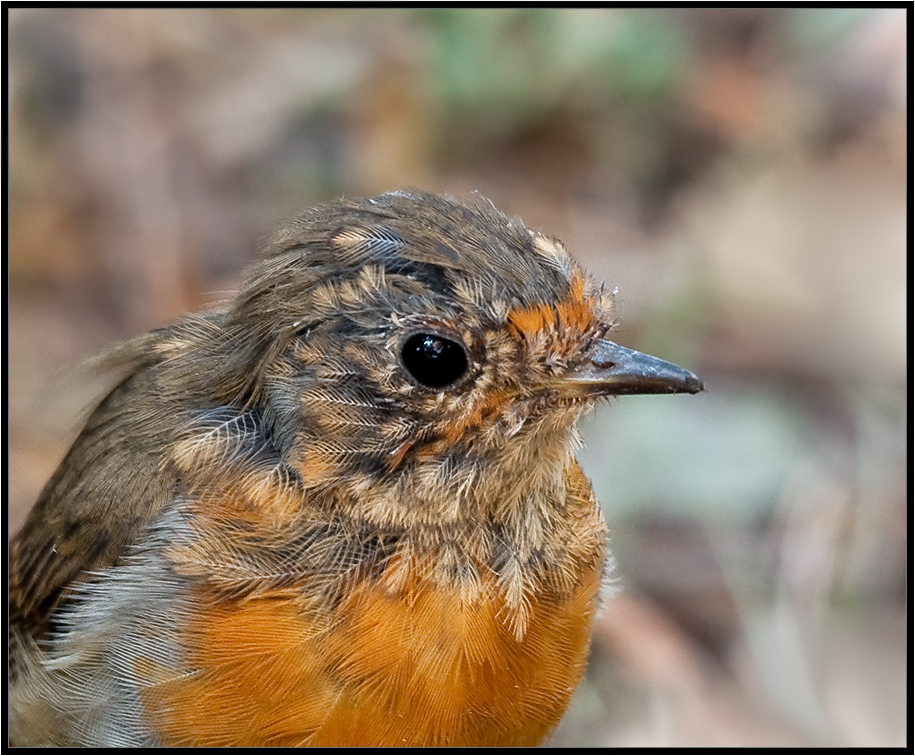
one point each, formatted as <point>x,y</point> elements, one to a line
<point>487,409</point>
<point>573,314</point>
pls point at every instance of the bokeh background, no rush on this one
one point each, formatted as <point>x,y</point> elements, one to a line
<point>739,175</point>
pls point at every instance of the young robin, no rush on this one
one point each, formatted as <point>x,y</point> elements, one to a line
<point>342,511</point>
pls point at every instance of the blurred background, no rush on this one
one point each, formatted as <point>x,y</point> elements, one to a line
<point>739,175</point>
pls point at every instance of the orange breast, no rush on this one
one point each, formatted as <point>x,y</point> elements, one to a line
<point>407,667</point>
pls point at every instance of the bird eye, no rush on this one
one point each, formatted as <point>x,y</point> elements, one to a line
<point>434,361</point>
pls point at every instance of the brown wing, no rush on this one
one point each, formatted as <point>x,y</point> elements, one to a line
<point>105,492</point>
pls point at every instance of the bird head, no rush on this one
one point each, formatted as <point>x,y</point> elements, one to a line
<point>413,345</point>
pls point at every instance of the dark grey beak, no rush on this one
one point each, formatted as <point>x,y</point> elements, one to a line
<point>611,369</point>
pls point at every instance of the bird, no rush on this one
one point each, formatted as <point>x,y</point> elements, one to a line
<point>342,508</point>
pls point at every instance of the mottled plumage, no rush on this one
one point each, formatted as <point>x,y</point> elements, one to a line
<point>342,510</point>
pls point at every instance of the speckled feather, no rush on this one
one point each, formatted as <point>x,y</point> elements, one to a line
<point>272,468</point>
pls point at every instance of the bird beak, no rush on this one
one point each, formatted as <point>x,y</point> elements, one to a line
<point>610,370</point>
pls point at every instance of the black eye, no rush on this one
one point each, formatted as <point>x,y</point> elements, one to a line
<point>433,360</point>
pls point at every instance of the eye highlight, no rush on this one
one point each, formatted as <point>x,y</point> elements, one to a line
<point>433,360</point>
